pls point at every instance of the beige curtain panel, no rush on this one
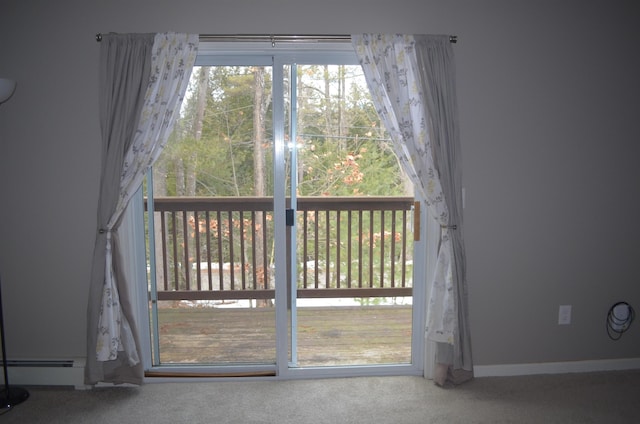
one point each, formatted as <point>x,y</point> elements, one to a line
<point>143,78</point>
<point>412,83</point>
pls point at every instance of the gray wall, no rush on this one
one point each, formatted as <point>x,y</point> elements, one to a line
<point>548,94</point>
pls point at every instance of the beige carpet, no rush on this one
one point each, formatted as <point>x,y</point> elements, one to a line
<point>611,398</point>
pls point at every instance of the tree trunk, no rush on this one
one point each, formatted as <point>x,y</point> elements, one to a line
<point>159,190</point>
<point>341,106</point>
<point>203,89</point>
<point>190,171</point>
<point>327,101</point>
<point>179,170</point>
<point>258,133</point>
<point>201,104</point>
<point>259,164</point>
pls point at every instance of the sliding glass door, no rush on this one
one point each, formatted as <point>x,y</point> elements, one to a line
<point>350,235</point>
<point>211,235</point>
<point>280,229</point>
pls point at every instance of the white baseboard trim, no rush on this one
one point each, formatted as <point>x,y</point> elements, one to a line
<point>70,372</point>
<point>508,370</point>
<point>40,372</point>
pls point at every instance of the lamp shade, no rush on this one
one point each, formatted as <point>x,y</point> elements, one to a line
<point>7,87</point>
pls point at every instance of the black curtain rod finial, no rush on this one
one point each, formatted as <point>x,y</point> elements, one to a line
<point>98,37</point>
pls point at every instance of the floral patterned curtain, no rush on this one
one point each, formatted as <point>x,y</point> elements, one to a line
<point>412,83</point>
<point>143,81</point>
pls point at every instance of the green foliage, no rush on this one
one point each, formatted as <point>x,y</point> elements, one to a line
<point>342,151</point>
<point>364,167</point>
<point>222,157</point>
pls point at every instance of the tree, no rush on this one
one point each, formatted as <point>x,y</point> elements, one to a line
<point>259,163</point>
<point>220,145</point>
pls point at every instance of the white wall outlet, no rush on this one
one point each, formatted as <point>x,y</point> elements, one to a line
<point>564,315</point>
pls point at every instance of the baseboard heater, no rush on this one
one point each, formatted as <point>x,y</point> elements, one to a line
<point>46,372</point>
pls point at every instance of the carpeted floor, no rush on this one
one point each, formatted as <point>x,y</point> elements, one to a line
<point>612,397</point>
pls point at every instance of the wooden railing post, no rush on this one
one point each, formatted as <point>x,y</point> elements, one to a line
<point>378,245</point>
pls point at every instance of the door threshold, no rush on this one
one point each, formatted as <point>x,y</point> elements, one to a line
<point>204,374</point>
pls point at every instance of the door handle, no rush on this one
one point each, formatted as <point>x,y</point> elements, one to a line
<point>289,217</point>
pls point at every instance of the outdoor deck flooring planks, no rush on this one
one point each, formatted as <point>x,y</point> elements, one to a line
<point>326,335</point>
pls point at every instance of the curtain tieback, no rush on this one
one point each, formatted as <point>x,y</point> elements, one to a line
<point>104,231</point>
<point>449,227</point>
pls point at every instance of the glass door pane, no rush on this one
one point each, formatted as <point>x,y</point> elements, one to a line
<point>213,296</point>
<point>353,246</point>
<point>257,145</point>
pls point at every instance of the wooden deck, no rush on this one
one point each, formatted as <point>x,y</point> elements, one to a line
<point>327,336</point>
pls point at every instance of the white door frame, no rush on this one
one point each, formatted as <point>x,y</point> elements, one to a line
<point>212,54</point>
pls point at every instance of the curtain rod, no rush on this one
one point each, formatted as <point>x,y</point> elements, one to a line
<point>277,38</point>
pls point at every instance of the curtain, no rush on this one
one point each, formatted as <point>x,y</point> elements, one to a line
<point>412,83</point>
<point>143,78</point>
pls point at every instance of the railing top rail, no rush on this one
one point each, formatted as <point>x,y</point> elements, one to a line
<point>212,203</point>
<point>305,203</point>
<point>354,203</point>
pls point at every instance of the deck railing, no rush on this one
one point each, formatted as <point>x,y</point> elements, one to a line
<point>222,247</point>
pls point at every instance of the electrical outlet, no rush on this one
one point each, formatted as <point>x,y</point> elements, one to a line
<point>564,315</point>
